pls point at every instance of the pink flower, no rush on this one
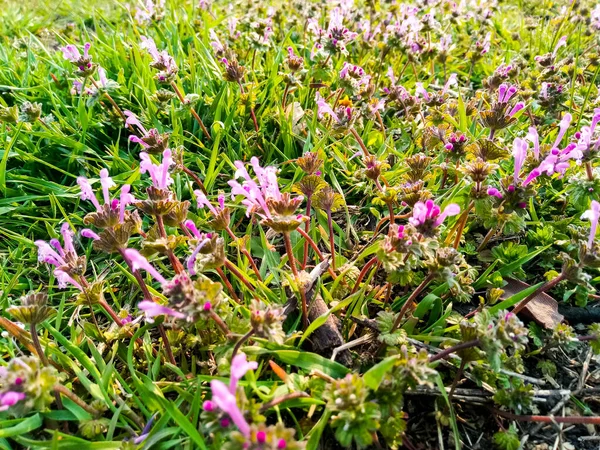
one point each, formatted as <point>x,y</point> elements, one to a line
<point>64,279</point>
<point>158,173</point>
<point>10,398</point>
<point>564,125</point>
<point>106,182</point>
<point>87,233</point>
<point>132,120</point>
<point>429,213</point>
<point>561,43</point>
<point>226,402</point>
<point>515,109</point>
<point>256,195</point>
<point>152,309</point>
<point>49,255</point>
<point>519,153</point>
<point>323,108</point>
<point>593,214</point>
<point>533,137</point>
<point>71,53</point>
<point>136,261</point>
<point>239,367</point>
<point>87,193</point>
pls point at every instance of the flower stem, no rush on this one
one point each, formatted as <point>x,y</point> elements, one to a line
<point>331,238</point>
<point>360,142</point>
<point>194,113</point>
<point>306,229</point>
<point>37,345</point>
<point>315,247</point>
<point>409,302</point>
<point>486,239</point>
<point>112,102</point>
<point>462,223</point>
<point>362,273</point>
<point>543,288</point>
<point>220,323</point>
<point>589,171</point>
<point>245,252</point>
<point>75,398</point>
<point>448,351</point>
<point>228,284</point>
<point>243,91</point>
<point>163,234</point>
<point>239,343</point>
<point>292,260</point>
<point>167,344</point>
<point>234,270</point>
<point>195,178</point>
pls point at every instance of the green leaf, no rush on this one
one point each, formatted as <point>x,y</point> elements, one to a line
<point>374,376</point>
<point>25,426</point>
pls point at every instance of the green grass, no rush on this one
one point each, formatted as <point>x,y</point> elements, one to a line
<point>130,375</point>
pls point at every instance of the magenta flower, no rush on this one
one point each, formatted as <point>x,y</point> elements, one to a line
<point>136,261</point>
<point>161,61</point>
<point>152,309</point>
<point>505,93</point>
<point>10,398</point>
<point>593,214</point>
<point>223,399</point>
<point>429,214</point>
<point>494,192</point>
<point>64,279</point>
<point>158,173</point>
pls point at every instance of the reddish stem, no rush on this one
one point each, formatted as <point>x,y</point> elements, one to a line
<point>228,285</point>
<point>363,273</point>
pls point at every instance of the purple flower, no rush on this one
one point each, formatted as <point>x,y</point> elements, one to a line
<point>136,261</point>
<point>158,173</point>
<point>87,193</point>
<point>561,43</point>
<point>226,402</point>
<point>10,398</point>
<point>429,212</point>
<point>106,182</point>
<point>152,309</point>
<point>593,214</point>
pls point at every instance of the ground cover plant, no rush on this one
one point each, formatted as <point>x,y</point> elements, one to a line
<point>299,225</point>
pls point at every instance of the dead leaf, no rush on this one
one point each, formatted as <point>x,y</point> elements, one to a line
<point>542,308</point>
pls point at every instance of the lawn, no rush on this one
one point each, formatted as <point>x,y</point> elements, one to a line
<point>299,225</point>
